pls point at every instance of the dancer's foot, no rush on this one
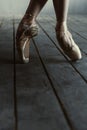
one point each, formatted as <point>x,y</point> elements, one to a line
<point>67,43</point>
<point>26,30</point>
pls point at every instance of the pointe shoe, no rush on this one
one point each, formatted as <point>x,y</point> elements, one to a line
<point>68,45</point>
<point>23,42</point>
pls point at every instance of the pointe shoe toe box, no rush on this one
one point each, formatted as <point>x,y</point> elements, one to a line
<point>75,53</point>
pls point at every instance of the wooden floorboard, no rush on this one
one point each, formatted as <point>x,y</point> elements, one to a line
<point>6,77</point>
<point>80,18</point>
<point>48,93</point>
<point>80,28</point>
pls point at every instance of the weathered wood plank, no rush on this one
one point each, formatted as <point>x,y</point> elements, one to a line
<point>68,84</point>
<point>38,108</point>
<point>6,77</point>
<point>80,18</point>
<point>79,28</point>
<point>0,23</point>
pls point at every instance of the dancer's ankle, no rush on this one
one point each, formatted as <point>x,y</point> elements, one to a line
<point>61,26</point>
<point>29,19</point>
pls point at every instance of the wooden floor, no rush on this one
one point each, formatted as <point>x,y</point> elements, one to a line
<point>50,92</point>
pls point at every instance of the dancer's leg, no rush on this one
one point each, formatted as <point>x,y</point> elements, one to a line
<point>34,8</point>
<point>61,10</point>
<point>64,37</point>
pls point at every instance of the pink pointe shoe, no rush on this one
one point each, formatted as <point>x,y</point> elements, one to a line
<point>23,41</point>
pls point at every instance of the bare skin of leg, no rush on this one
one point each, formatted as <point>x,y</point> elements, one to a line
<point>63,35</point>
<point>34,8</point>
<point>61,10</point>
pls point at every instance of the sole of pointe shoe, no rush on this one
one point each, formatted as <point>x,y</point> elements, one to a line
<point>23,51</point>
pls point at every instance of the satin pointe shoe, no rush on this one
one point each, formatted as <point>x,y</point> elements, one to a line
<point>68,45</point>
<point>23,41</point>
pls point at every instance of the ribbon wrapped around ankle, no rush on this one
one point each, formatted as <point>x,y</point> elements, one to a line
<point>30,30</point>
